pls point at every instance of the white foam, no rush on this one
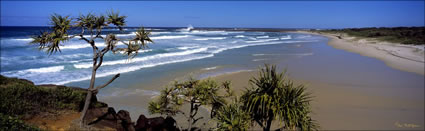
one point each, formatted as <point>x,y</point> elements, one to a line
<point>212,38</point>
<point>264,54</point>
<point>205,32</point>
<point>168,37</point>
<point>84,45</point>
<point>258,54</point>
<point>23,39</point>
<point>239,36</point>
<point>304,36</point>
<point>47,69</point>
<point>133,68</point>
<point>260,59</point>
<point>88,36</point>
<point>75,46</point>
<point>78,55</point>
<point>140,51</point>
<point>158,33</point>
<point>286,37</point>
<point>262,37</point>
<point>187,47</point>
<point>301,54</point>
<point>252,38</point>
<point>123,35</point>
<point>264,40</point>
<point>139,59</point>
<point>241,46</point>
<point>210,68</point>
<point>34,70</point>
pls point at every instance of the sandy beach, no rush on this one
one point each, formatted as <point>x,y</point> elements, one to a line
<point>340,105</point>
<point>408,58</point>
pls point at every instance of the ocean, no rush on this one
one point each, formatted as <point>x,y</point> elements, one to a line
<point>73,65</point>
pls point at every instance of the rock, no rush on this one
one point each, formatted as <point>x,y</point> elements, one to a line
<point>142,123</point>
<point>156,123</point>
<point>126,123</point>
<point>103,117</point>
<point>124,116</point>
<point>170,124</point>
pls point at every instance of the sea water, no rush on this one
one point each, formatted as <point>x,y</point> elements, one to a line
<point>73,65</point>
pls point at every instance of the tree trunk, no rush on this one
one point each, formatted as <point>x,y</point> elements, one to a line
<point>190,116</point>
<point>89,93</point>
<point>269,122</point>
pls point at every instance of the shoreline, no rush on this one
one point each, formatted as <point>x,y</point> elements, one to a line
<point>361,105</point>
<point>331,94</point>
<point>409,58</point>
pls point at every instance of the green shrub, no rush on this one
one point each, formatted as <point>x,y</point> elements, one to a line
<point>9,123</point>
<point>19,97</point>
<point>403,35</point>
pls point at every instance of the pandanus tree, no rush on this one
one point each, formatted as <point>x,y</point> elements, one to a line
<point>92,26</point>
<point>195,93</point>
<point>274,97</point>
<point>232,117</point>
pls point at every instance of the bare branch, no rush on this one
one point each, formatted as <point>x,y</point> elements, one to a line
<point>109,82</point>
<point>98,34</point>
<point>84,38</point>
<point>100,62</point>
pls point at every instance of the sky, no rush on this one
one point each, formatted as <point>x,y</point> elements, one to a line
<point>252,14</point>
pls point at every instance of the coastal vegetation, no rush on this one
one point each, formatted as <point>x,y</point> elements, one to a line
<point>91,25</point>
<point>194,92</point>
<point>403,35</point>
<point>21,99</point>
<point>272,97</point>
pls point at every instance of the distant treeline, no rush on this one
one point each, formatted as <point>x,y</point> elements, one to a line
<point>403,35</point>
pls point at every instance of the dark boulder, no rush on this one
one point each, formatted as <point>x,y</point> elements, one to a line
<point>142,123</point>
<point>124,117</point>
<point>170,124</point>
<point>156,123</point>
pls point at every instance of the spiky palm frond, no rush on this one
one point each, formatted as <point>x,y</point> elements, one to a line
<point>42,39</point>
<point>295,106</point>
<point>273,96</point>
<point>60,24</point>
<point>142,37</point>
<point>86,21</point>
<point>232,118</point>
<point>168,102</point>
<point>139,42</point>
<point>100,22</point>
<point>111,41</point>
<point>115,19</point>
<point>50,41</point>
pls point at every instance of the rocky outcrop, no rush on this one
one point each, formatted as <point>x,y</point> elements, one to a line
<point>45,98</point>
<point>107,118</point>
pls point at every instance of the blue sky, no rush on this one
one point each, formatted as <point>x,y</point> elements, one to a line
<point>268,14</point>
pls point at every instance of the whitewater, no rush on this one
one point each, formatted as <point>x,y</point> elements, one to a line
<point>171,46</point>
